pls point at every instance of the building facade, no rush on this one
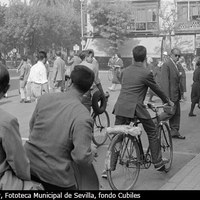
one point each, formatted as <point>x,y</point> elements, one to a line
<point>188,20</point>
<point>145,18</point>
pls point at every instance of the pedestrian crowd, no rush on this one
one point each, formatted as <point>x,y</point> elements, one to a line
<point>58,153</point>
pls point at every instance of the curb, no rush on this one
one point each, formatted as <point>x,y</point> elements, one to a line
<point>188,178</point>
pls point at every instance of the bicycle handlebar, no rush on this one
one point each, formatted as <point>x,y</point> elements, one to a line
<point>155,108</point>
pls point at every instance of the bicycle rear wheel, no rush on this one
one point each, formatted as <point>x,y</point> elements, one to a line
<point>166,144</point>
<point>101,122</point>
<point>110,74</point>
<point>123,162</point>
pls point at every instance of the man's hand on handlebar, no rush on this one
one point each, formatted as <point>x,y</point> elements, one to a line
<point>170,103</point>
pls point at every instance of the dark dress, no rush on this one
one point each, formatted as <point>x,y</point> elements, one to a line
<point>195,93</point>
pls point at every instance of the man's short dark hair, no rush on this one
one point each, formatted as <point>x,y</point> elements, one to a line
<point>58,53</point>
<point>24,58</point>
<point>82,77</point>
<point>139,53</point>
<point>41,55</point>
<point>86,53</point>
<point>4,79</point>
<point>83,54</point>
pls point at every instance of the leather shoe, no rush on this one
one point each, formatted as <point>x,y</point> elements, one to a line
<point>192,115</point>
<point>27,101</point>
<point>178,137</point>
<point>161,165</point>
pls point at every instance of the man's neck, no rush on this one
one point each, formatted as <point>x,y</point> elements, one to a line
<point>139,64</point>
<point>74,92</point>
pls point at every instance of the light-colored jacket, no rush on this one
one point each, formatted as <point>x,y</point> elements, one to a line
<point>58,70</point>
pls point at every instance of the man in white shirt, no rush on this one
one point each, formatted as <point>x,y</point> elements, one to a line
<point>38,76</point>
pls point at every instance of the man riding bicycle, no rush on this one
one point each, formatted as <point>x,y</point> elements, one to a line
<point>136,80</point>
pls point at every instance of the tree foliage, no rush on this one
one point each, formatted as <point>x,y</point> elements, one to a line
<point>168,16</point>
<point>36,27</point>
<point>49,2</point>
<point>111,20</point>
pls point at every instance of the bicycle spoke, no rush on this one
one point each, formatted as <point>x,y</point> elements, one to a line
<point>127,167</point>
<point>101,122</point>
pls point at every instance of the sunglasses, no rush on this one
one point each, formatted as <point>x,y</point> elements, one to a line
<point>177,55</point>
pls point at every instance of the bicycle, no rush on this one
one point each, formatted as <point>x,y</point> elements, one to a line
<point>101,122</point>
<point>126,153</point>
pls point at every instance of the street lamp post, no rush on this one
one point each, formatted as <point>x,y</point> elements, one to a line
<point>82,43</point>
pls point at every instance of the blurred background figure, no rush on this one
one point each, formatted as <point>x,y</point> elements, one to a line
<point>24,71</point>
<point>150,66</point>
<point>3,63</point>
<point>73,60</point>
<point>50,60</point>
<point>181,67</point>
<point>117,64</point>
<point>165,56</point>
<point>157,77</point>
<point>58,73</point>
<point>195,92</point>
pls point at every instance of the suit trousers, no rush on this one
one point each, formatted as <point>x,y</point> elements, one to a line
<point>174,118</point>
<point>150,129</point>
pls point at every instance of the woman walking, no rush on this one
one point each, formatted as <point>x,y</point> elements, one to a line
<point>195,92</point>
<point>117,63</point>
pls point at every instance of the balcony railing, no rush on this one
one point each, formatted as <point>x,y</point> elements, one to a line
<point>143,26</point>
<point>187,26</point>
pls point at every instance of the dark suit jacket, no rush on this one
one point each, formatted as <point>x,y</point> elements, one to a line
<point>135,81</point>
<point>170,81</point>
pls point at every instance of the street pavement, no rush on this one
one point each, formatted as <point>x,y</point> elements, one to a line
<point>186,152</point>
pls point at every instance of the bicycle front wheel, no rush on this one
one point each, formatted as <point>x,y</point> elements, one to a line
<point>101,122</point>
<point>123,162</point>
<point>166,144</point>
<point>110,74</point>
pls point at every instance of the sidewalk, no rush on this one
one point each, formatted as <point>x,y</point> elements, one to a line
<point>188,178</point>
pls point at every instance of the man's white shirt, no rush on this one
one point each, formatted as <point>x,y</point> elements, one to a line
<point>38,73</point>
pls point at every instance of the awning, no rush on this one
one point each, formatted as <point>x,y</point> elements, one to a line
<point>101,46</point>
<point>186,43</point>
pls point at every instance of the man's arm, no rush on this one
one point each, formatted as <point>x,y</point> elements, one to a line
<point>165,80</point>
<point>82,139</point>
<point>33,118</point>
<point>14,150</point>
<point>55,71</point>
<point>20,65</point>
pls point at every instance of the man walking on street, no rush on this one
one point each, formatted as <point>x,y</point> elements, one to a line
<point>58,73</point>
<point>38,76</point>
<point>23,77</point>
<point>170,85</point>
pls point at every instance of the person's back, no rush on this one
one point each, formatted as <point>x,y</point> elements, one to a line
<point>133,88</point>
<point>60,134</point>
<point>14,163</point>
<point>59,69</point>
<point>59,116</point>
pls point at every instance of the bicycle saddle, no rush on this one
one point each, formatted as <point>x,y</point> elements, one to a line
<point>127,129</point>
